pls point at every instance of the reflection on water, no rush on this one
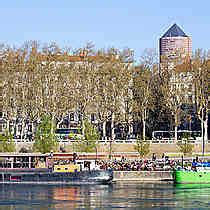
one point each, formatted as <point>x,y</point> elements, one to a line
<point>193,195</point>
<point>118,195</point>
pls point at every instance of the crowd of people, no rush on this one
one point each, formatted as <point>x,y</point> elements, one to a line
<point>153,164</point>
<point>136,165</point>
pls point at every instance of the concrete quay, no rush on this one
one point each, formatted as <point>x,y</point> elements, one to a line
<point>143,176</point>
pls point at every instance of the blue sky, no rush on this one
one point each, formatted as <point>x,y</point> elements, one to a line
<point>136,24</point>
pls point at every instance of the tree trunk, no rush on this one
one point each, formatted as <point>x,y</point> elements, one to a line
<point>22,133</point>
<point>175,134</point>
<point>176,128</point>
<point>144,125</point>
<point>15,128</point>
<point>144,129</point>
<point>52,123</point>
<point>83,124</point>
<point>110,149</point>
<point>32,130</point>
<point>7,124</point>
<point>68,120</point>
<point>112,127</point>
<point>206,129</point>
<point>202,133</point>
<point>104,130</point>
<point>130,129</point>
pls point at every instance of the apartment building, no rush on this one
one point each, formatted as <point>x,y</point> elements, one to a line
<point>174,42</point>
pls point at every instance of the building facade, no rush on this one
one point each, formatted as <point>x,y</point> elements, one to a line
<point>175,50</point>
<point>175,41</point>
<point>175,53</point>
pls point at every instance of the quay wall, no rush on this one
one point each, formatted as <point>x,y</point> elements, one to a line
<point>143,176</point>
<point>158,149</point>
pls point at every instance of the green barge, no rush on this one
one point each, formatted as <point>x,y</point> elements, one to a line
<point>191,177</point>
<point>199,174</point>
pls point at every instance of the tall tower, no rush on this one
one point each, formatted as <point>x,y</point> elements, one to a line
<point>175,41</point>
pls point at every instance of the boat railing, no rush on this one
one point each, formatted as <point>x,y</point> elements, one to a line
<point>24,169</point>
<point>20,164</point>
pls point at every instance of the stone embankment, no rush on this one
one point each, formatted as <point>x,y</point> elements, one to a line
<point>158,149</point>
<point>143,176</point>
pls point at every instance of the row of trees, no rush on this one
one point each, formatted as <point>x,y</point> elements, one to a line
<point>47,80</point>
<point>186,84</point>
<point>46,141</point>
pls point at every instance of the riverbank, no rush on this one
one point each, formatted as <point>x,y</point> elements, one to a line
<point>143,176</point>
<point>126,150</point>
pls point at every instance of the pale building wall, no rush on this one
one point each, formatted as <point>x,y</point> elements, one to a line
<point>170,45</point>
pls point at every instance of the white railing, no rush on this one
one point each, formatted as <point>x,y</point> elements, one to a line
<point>118,141</point>
<point>23,141</point>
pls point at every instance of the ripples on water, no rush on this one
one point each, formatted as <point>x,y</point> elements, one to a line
<point>116,196</point>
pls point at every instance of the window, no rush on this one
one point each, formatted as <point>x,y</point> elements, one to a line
<point>15,178</point>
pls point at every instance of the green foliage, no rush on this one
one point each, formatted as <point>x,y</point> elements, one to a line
<point>25,150</point>
<point>6,142</point>
<point>75,136</point>
<point>142,147</point>
<point>88,143</point>
<point>184,146</point>
<point>45,139</point>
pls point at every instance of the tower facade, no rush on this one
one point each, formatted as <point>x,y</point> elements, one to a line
<point>174,42</point>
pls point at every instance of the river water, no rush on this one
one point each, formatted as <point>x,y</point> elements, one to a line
<point>131,195</point>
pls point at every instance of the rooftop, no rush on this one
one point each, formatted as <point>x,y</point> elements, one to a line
<point>174,31</point>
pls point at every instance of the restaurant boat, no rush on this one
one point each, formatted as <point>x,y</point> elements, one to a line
<point>43,169</point>
<point>198,174</point>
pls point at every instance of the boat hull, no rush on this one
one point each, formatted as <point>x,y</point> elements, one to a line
<point>191,177</point>
<point>50,177</point>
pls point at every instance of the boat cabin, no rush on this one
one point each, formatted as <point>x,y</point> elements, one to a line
<point>78,165</point>
<point>201,166</point>
<point>44,161</point>
<point>23,160</point>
